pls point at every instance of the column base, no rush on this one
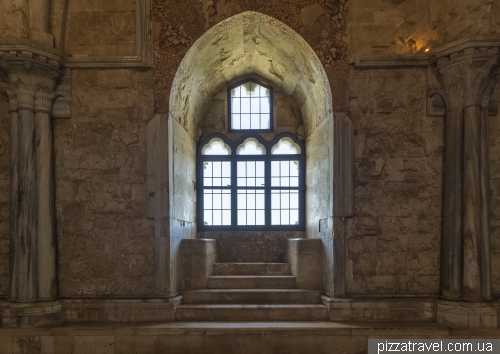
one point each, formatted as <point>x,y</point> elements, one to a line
<point>468,314</point>
<point>31,314</point>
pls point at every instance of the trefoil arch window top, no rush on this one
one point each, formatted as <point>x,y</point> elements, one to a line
<point>251,184</point>
<point>250,106</point>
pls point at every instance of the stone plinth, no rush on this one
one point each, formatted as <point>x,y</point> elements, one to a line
<point>305,258</point>
<point>468,314</point>
<point>31,314</point>
<point>198,258</point>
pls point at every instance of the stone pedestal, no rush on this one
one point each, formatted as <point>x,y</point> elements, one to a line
<point>198,258</point>
<point>305,258</point>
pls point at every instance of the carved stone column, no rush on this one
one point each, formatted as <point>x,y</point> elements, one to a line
<point>29,78</point>
<point>466,78</point>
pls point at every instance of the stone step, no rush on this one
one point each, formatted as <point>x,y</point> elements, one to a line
<point>281,312</point>
<point>251,296</point>
<point>251,269</point>
<point>251,282</point>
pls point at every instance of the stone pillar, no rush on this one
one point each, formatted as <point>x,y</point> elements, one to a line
<point>465,266</point>
<point>29,80</point>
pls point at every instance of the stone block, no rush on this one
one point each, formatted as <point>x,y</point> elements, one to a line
<point>198,257</point>
<point>305,258</point>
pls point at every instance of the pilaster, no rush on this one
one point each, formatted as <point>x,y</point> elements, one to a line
<point>466,77</point>
<point>30,77</point>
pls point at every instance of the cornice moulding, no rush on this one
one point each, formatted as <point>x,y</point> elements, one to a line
<point>423,60</point>
<point>390,61</point>
<point>12,50</point>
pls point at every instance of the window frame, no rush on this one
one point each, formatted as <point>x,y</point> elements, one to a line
<point>267,158</point>
<point>229,107</point>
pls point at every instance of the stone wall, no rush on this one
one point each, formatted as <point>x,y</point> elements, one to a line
<point>101,28</point>
<point>494,137</point>
<point>4,195</point>
<point>393,240</point>
<point>412,26</point>
<point>106,244</point>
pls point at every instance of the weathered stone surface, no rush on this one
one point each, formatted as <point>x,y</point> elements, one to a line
<point>494,141</point>
<point>259,246</point>
<point>106,244</point>
<point>393,239</point>
<point>101,29</point>
<point>4,195</point>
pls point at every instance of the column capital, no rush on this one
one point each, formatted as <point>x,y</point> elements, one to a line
<point>466,74</point>
<point>28,74</point>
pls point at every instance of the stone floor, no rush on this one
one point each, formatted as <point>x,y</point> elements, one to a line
<point>220,337</point>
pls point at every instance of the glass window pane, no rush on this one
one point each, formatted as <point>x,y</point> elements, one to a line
<point>254,121</point>
<point>226,217</point>
<point>250,168</point>
<point>294,217</point>
<point>216,146</point>
<point>242,217</point>
<point>217,168</point>
<point>285,217</point>
<point>285,200</point>
<point>275,217</point>
<point>207,200</point>
<point>251,217</point>
<point>217,217</point>
<point>294,168</point>
<point>275,168</point>
<point>260,182</point>
<point>245,105</point>
<point>207,182</point>
<point>251,146</point>
<point>241,169</point>
<point>285,168</point>
<point>235,121</point>
<point>245,121</point>
<point>294,200</point>
<point>260,169</point>
<point>294,182</point>
<point>265,121</point>
<point>285,146</point>
<point>226,169</point>
<point>251,201</point>
<point>226,182</point>
<point>207,169</point>
<point>217,182</point>
<point>275,200</point>
<point>226,201</point>
<point>285,182</point>
<point>235,105</point>
<point>207,217</point>
<point>260,201</point>
<point>242,200</point>
<point>242,182</point>
<point>275,181</point>
<point>251,182</point>
<point>264,105</point>
<point>260,217</point>
<point>217,201</point>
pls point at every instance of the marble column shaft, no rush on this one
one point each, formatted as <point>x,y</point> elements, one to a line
<point>26,275</point>
<point>451,253</point>
<point>471,281</point>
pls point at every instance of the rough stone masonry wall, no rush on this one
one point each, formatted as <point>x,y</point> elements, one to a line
<point>393,240</point>
<point>106,244</point>
<point>4,195</point>
<point>101,28</point>
<point>494,138</point>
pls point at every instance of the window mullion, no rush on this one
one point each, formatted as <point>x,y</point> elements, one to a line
<point>234,194</point>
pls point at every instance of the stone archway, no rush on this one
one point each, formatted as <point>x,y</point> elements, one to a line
<point>249,43</point>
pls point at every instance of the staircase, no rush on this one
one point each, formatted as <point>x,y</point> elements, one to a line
<point>251,292</point>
